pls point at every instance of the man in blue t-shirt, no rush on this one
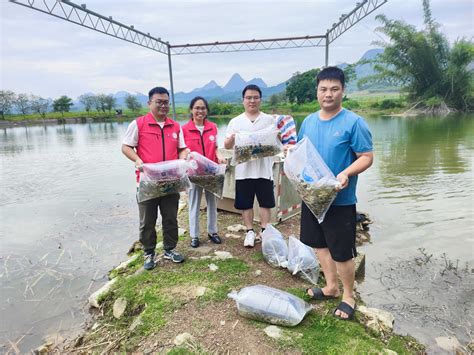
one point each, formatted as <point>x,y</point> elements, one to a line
<point>344,141</point>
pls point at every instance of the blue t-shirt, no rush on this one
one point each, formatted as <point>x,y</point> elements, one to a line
<point>337,140</point>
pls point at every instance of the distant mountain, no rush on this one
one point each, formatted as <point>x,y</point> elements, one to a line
<point>235,83</point>
<point>257,81</point>
<point>232,90</point>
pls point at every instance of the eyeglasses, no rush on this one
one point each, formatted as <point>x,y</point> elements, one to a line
<point>161,103</point>
<point>200,108</point>
<point>250,98</point>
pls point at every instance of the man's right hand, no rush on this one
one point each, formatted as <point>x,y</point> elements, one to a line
<point>139,164</point>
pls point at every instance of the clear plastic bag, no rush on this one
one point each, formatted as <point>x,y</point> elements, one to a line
<point>206,173</point>
<point>270,305</point>
<point>311,177</point>
<point>161,179</point>
<point>302,261</point>
<point>255,145</point>
<point>274,247</point>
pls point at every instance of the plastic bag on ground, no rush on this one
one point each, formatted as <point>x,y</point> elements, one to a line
<point>163,178</point>
<point>302,261</point>
<point>311,177</point>
<point>206,173</point>
<point>274,247</point>
<point>270,305</point>
<point>255,145</point>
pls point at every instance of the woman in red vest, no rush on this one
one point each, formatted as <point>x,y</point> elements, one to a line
<point>200,135</point>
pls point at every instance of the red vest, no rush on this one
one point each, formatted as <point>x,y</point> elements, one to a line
<point>205,144</point>
<point>157,144</point>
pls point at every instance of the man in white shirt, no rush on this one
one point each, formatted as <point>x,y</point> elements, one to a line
<point>253,178</point>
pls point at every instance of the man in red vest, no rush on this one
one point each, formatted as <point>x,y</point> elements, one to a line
<point>151,139</point>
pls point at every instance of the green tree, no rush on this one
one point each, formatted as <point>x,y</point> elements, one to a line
<point>99,102</point>
<point>22,103</point>
<point>87,100</point>
<point>7,98</point>
<point>109,103</point>
<point>133,104</point>
<point>424,63</point>
<point>301,87</point>
<point>63,104</point>
<point>39,105</point>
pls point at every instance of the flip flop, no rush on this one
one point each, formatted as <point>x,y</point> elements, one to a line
<point>347,309</point>
<point>318,294</point>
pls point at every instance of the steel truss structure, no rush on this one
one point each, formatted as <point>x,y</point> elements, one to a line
<point>80,15</point>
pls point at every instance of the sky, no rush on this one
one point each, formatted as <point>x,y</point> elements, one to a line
<point>49,57</point>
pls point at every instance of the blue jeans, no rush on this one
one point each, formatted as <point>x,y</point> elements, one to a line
<point>195,194</point>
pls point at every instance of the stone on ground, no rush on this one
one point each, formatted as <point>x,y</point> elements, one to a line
<point>94,298</point>
<point>232,235</point>
<point>182,338</point>
<point>136,323</point>
<point>213,267</point>
<point>273,332</point>
<point>236,228</point>
<point>378,320</point>
<point>119,307</point>
<point>258,272</point>
<point>448,343</point>
<point>199,291</point>
<point>222,255</point>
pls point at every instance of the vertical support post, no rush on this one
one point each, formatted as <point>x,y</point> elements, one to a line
<point>170,69</point>
<point>326,62</point>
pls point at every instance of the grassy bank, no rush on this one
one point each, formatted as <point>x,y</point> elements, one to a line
<point>163,303</point>
<point>363,103</point>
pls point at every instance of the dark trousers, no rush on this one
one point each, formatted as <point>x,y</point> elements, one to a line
<point>148,211</point>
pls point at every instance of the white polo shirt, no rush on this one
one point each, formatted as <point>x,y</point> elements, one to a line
<point>255,169</point>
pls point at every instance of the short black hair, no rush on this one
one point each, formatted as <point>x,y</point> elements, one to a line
<point>251,87</point>
<point>331,73</point>
<point>194,100</point>
<point>157,90</point>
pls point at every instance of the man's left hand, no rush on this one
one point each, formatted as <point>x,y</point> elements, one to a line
<point>343,179</point>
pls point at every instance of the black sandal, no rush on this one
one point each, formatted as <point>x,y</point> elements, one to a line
<point>318,294</point>
<point>347,309</point>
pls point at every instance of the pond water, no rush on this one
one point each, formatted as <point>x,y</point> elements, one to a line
<point>68,215</point>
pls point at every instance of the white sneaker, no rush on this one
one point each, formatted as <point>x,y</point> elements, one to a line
<point>249,241</point>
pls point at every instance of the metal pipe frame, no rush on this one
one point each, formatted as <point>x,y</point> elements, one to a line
<point>362,10</point>
<point>80,15</point>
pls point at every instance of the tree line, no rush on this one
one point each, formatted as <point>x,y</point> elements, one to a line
<point>25,104</point>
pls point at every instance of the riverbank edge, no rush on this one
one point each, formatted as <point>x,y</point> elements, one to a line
<point>305,337</point>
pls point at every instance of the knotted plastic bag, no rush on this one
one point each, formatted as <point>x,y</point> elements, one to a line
<point>255,145</point>
<point>274,247</point>
<point>302,261</point>
<point>161,179</point>
<point>270,305</point>
<point>206,173</point>
<point>311,177</point>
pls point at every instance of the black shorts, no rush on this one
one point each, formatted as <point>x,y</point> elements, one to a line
<point>247,189</point>
<point>337,232</point>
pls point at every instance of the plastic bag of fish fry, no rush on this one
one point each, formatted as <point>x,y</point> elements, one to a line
<point>255,145</point>
<point>163,178</point>
<point>274,247</point>
<point>206,173</point>
<point>311,177</point>
<point>302,261</point>
<point>270,305</point>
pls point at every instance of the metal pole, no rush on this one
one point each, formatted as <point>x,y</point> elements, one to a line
<point>171,81</point>
<point>327,50</point>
